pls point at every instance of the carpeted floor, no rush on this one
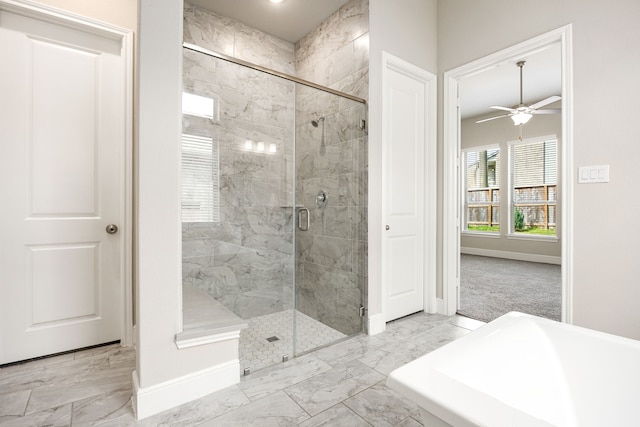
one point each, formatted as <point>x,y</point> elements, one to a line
<point>491,287</point>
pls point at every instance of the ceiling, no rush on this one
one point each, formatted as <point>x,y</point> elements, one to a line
<point>541,76</point>
<point>290,20</point>
<point>293,19</point>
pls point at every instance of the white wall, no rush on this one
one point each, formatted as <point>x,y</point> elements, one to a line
<point>606,61</point>
<point>407,30</point>
<point>123,13</point>
<point>159,281</point>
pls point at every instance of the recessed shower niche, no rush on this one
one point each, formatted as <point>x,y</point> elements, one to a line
<point>255,238</point>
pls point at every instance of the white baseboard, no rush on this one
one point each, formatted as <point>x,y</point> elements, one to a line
<point>152,400</point>
<point>376,324</point>
<point>518,256</point>
<point>440,306</point>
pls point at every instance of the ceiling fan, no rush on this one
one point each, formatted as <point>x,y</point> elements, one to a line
<point>522,113</point>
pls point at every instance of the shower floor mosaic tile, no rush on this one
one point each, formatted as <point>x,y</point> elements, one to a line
<point>270,337</point>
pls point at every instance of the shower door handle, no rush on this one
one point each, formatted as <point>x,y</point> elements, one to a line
<point>303,226</point>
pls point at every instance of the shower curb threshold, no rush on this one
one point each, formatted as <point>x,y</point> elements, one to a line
<point>209,335</point>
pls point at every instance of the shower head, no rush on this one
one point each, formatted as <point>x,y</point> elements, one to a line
<point>317,121</point>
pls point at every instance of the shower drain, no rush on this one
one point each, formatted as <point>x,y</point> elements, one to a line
<point>273,338</point>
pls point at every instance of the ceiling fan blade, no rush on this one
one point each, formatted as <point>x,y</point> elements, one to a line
<point>548,111</point>
<point>544,102</point>
<point>492,118</point>
<point>497,107</point>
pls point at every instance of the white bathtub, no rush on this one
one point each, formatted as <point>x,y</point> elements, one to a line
<point>522,370</point>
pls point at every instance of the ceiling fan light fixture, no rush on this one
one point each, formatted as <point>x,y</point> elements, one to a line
<point>521,118</point>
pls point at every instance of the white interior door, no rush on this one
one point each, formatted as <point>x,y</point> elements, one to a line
<point>403,169</point>
<point>61,163</point>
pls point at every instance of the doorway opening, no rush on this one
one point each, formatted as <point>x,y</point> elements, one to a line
<point>454,211</point>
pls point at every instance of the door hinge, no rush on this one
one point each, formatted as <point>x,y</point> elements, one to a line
<point>361,311</point>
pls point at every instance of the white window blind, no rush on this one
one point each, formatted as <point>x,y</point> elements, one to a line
<point>200,179</point>
<point>482,190</point>
<point>534,179</point>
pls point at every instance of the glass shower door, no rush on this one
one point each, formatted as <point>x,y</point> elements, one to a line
<point>274,206</point>
<point>331,205</point>
<point>237,201</point>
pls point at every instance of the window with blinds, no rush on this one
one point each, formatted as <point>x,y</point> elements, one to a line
<point>482,190</point>
<point>534,179</point>
<point>200,179</point>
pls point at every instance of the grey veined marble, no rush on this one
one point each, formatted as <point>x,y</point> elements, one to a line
<point>339,385</point>
<point>271,161</point>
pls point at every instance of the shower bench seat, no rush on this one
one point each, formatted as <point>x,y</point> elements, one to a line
<point>205,320</point>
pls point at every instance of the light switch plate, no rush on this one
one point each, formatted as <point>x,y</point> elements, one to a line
<point>593,174</point>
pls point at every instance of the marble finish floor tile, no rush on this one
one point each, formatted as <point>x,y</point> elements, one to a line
<point>332,387</point>
<point>382,406</point>
<point>342,384</point>
<point>275,378</point>
<point>13,404</point>
<point>273,411</point>
<point>336,416</point>
<point>53,417</point>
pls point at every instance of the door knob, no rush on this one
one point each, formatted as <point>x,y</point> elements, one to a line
<point>112,229</point>
<point>387,228</point>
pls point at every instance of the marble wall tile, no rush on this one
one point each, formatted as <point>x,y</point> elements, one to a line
<point>361,52</point>
<point>230,254</point>
<point>254,303</point>
<point>251,165</point>
<point>342,27</point>
<point>233,191</point>
<point>216,281</point>
<point>331,296</point>
<point>257,47</point>
<point>225,35</point>
<point>326,251</point>
<point>264,192</point>
<point>196,67</point>
<point>338,221</point>
<point>281,243</point>
<point>197,248</point>
<point>208,30</point>
<point>326,161</point>
<point>250,250</point>
<point>356,84</point>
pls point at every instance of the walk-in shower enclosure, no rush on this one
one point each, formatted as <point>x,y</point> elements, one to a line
<point>274,196</point>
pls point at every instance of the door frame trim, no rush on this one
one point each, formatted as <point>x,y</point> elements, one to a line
<point>451,127</point>
<point>125,37</point>
<point>429,80</point>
